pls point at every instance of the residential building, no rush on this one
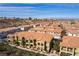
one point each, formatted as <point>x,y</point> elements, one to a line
<point>69,46</point>
<point>72,32</point>
<point>56,32</point>
<point>33,40</point>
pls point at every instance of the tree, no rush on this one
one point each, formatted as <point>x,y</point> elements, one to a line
<point>34,42</point>
<point>45,47</point>
<point>17,42</point>
<point>56,45</point>
<point>51,45</point>
<point>30,18</point>
<point>23,42</point>
<point>14,40</point>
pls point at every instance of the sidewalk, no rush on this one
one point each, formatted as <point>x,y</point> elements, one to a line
<point>47,54</point>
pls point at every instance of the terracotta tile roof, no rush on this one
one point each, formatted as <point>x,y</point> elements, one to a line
<point>73,30</point>
<point>11,28</point>
<point>34,35</point>
<point>7,29</point>
<point>55,30</point>
<point>69,41</point>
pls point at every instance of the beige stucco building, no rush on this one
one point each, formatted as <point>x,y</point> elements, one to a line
<point>69,46</point>
<point>32,40</point>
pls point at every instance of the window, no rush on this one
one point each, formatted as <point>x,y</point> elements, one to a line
<point>13,37</point>
<point>13,40</point>
<point>69,49</point>
<point>63,48</point>
<point>31,45</point>
<point>8,40</point>
<point>41,50</point>
<point>26,40</point>
<point>41,44</point>
<point>23,38</point>
<point>38,43</point>
<point>31,41</point>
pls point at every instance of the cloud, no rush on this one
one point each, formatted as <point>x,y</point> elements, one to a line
<point>16,9</point>
<point>27,7</point>
<point>40,10</point>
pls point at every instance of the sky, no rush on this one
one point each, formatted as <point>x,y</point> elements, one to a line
<point>39,10</point>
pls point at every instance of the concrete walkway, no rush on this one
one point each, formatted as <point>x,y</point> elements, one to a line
<point>47,54</point>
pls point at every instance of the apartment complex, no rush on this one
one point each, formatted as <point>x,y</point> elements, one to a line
<point>69,45</point>
<point>32,40</point>
<point>61,36</point>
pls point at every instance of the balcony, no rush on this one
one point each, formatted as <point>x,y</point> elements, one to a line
<point>70,49</point>
<point>63,48</point>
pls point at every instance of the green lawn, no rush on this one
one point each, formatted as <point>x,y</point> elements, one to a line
<point>6,50</point>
